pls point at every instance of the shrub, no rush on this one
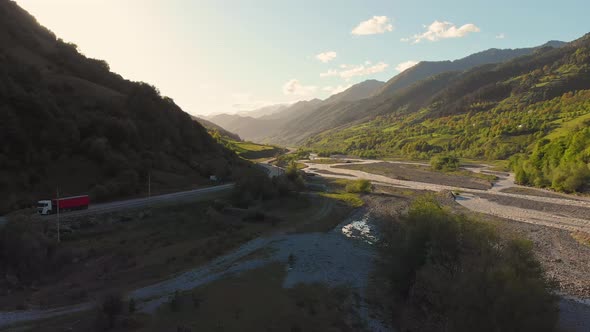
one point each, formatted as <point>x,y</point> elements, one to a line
<point>25,250</point>
<point>175,302</point>
<point>110,308</point>
<point>450,273</point>
<point>446,163</point>
<point>132,306</point>
<point>358,186</point>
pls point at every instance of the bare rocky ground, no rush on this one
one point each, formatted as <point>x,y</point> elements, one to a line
<point>418,172</point>
<point>560,209</point>
<point>536,192</point>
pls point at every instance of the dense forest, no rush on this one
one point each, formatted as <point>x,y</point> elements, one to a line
<point>67,121</point>
<point>534,109</point>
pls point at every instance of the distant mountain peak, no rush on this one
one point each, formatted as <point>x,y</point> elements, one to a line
<point>362,90</point>
<point>426,69</point>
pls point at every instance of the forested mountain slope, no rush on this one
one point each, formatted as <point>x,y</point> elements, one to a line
<point>67,121</point>
<point>538,103</point>
<point>426,69</point>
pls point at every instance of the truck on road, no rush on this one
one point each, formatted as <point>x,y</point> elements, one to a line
<point>45,207</point>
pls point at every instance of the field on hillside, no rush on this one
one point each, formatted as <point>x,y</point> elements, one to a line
<point>253,151</point>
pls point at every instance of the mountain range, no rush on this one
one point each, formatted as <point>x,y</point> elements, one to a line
<point>270,128</point>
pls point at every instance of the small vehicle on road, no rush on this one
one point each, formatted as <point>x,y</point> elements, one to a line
<point>45,207</point>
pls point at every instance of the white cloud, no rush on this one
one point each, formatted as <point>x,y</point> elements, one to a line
<point>293,87</point>
<point>326,56</point>
<point>330,73</point>
<point>501,36</point>
<point>442,30</point>
<point>363,70</point>
<point>348,71</point>
<point>372,26</point>
<point>406,65</point>
<point>336,89</point>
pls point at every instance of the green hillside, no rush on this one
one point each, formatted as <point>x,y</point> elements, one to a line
<point>519,110</point>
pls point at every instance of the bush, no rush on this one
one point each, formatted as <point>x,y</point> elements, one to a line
<point>132,306</point>
<point>449,273</point>
<point>110,308</point>
<point>253,186</point>
<point>25,250</point>
<point>446,163</point>
<point>358,186</point>
<point>175,302</point>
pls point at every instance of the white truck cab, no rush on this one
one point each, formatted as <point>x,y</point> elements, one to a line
<point>44,207</point>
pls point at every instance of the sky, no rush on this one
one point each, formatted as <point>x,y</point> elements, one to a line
<point>221,56</point>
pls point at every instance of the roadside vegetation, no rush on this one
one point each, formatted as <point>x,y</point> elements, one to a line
<point>446,272</point>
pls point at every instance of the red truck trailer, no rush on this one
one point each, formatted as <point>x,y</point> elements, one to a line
<point>64,204</point>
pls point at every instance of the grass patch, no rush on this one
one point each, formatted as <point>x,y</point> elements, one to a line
<point>358,186</point>
<point>582,237</point>
<point>565,128</point>
<point>300,165</point>
<point>351,199</point>
<point>253,151</point>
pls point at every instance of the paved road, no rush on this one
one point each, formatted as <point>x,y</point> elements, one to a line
<point>2,221</point>
<point>272,170</point>
<point>141,202</point>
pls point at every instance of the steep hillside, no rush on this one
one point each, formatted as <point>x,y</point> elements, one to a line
<point>272,127</point>
<point>212,128</point>
<point>426,69</point>
<point>538,103</point>
<point>66,121</point>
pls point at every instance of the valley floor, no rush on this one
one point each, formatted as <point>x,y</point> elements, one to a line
<point>342,256</point>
